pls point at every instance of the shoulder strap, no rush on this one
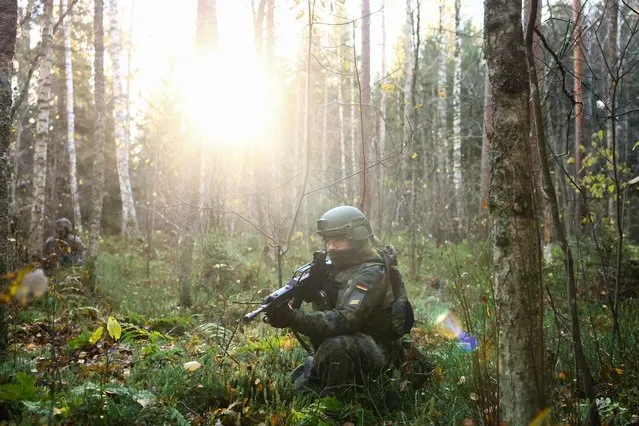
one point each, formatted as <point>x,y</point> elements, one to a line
<point>393,283</point>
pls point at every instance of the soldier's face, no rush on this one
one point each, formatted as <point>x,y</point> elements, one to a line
<point>61,231</point>
<point>338,244</point>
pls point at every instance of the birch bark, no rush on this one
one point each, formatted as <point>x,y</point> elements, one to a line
<point>68,74</point>
<point>457,140</point>
<point>36,234</point>
<point>129,222</point>
<point>516,252</point>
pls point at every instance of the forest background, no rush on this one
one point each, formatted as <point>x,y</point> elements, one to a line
<point>194,146</point>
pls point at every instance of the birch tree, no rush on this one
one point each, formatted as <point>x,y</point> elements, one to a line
<point>418,152</point>
<point>364,83</point>
<point>8,29</point>
<point>68,74</point>
<point>97,177</point>
<point>441,142</point>
<point>36,234</point>
<point>518,290</point>
<point>457,140</point>
<point>129,222</point>
<point>611,17</point>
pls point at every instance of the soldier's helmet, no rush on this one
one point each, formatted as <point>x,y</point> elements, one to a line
<point>345,222</point>
<point>64,223</point>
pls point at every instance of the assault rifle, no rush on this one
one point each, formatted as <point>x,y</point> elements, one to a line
<point>305,285</point>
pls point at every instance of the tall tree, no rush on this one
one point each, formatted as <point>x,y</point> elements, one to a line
<point>70,113</point>
<point>441,142</point>
<point>23,56</point>
<point>364,83</point>
<point>8,29</point>
<point>457,139</point>
<point>97,177</point>
<point>36,234</point>
<point>549,193</point>
<point>578,71</point>
<point>611,17</point>
<point>206,36</point>
<point>381,128</point>
<point>518,290</point>
<point>417,161</point>
<point>129,222</point>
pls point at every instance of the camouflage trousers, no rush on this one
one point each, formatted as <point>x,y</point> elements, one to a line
<point>341,361</point>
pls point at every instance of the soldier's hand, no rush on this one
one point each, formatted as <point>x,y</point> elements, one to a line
<point>280,317</point>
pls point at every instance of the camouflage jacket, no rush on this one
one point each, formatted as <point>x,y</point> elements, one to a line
<point>68,251</point>
<point>360,301</point>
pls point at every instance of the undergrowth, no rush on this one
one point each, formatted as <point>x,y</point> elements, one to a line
<point>200,365</point>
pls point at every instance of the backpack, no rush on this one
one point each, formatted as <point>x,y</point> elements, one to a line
<point>402,315</point>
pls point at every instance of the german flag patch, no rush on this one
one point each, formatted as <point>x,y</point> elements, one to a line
<point>362,286</point>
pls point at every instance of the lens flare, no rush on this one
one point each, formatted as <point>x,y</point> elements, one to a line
<point>450,325</point>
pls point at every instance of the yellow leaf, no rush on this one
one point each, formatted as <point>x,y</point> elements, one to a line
<point>192,366</point>
<point>96,336</point>
<point>561,375</point>
<point>619,371</point>
<point>413,156</point>
<point>113,326</point>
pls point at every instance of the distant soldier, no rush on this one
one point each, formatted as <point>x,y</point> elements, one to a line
<point>65,248</point>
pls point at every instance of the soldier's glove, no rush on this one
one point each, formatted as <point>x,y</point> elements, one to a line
<point>280,317</point>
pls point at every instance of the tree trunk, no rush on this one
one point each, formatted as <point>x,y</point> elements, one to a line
<point>485,145</point>
<point>97,178</point>
<point>364,83</point>
<point>518,288</point>
<point>8,29</point>
<point>340,106</point>
<point>406,106</point>
<point>441,143</point>
<point>416,159</point>
<point>582,366</point>
<point>206,37</point>
<point>457,139</point>
<point>578,69</point>
<point>129,221</point>
<point>612,10</point>
<point>381,130</point>
<point>36,231</point>
<point>68,74</point>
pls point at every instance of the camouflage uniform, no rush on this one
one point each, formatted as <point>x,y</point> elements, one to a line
<point>66,249</point>
<point>351,336</point>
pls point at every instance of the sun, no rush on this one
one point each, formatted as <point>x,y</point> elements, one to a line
<point>230,99</point>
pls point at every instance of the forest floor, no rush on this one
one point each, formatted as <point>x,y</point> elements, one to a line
<point>129,354</point>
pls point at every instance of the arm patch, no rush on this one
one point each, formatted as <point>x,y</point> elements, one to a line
<point>355,301</point>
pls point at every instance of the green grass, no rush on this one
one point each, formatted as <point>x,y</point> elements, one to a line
<point>243,378</point>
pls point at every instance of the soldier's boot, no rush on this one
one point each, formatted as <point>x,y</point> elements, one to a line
<point>300,377</point>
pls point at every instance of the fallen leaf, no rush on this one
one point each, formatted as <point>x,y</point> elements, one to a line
<point>143,401</point>
<point>192,366</point>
